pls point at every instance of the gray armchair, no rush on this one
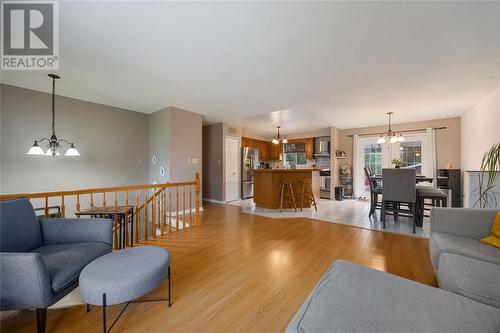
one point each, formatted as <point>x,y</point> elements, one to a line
<point>41,259</point>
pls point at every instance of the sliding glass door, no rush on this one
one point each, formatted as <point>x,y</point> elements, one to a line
<point>375,157</point>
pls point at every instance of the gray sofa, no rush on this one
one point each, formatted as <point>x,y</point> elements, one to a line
<point>353,298</point>
<point>463,264</point>
<point>41,260</point>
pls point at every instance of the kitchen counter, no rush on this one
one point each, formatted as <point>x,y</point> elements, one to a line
<point>267,186</point>
<point>287,170</point>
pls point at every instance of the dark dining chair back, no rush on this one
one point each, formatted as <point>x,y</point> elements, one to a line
<point>368,175</point>
<point>399,185</point>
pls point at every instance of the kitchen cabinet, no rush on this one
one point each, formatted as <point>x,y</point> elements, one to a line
<point>309,148</point>
<point>264,151</point>
<point>275,152</point>
<point>261,145</point>
<point>308,144</point>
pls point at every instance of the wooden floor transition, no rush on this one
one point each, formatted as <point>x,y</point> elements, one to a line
<point>245,273</point>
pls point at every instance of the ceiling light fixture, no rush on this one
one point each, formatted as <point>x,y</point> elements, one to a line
<point>390,136</point>
<point>53,143</point>
<point>278,138</point>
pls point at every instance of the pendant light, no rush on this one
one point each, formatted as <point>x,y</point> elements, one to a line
<point>54,144</point>
<point>390,136</point>
<point>278,138</point>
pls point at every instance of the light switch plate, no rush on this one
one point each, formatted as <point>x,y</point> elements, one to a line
<point>189,161</point>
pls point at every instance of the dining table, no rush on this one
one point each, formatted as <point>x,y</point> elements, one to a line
<point>439,198</point>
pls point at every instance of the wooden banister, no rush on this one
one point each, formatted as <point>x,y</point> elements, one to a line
<point>154,205</point>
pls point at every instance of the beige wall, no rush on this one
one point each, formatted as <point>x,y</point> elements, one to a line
<point>113,143</point>
<point>447,141</point>
<point>480,130</point>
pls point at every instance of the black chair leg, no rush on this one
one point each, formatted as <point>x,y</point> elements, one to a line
<point>41,320</point>
<point>382,214</point>
<point>413,216</point>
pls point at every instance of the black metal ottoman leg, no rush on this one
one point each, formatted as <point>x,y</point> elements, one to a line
<point>104,313</point>
<point>169,290</point>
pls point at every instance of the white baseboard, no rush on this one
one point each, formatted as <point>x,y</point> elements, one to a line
<point>213,201</point>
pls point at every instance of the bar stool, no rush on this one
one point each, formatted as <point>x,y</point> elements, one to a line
<point>308,194</point>
<point>286,196</point>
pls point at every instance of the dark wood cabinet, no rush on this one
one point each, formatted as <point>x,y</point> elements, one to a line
<point>449,179</point>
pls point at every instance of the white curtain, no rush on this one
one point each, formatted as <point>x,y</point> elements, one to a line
<point>429,167</point>
<point>358,179</point>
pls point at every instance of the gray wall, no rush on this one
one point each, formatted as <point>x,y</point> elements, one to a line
<point>159,143</point>
<point>213,181</point>
<point>185,144</point>
<point>175,138</point>
<point>113,143</point>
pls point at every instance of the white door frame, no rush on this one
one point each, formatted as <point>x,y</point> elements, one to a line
<point>238,169</point>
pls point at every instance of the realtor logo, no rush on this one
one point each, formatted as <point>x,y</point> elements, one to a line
<point>30,35</point>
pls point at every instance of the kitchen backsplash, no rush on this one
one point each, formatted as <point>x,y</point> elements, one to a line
<point>323,162</point>
<point>279,164</point>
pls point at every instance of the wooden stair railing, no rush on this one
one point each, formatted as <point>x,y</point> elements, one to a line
<point>156,209</point>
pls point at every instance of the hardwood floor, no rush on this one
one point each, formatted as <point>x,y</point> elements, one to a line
<point>240,272</point>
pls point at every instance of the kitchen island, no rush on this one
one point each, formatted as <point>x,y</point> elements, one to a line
<point>267,186</point>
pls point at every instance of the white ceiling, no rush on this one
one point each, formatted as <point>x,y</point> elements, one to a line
<point>325,63</point>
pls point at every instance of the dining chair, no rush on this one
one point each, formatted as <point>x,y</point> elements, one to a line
<point>374,192</point>
<point>399,190</point>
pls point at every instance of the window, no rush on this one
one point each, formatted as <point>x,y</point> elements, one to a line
<point>373,160</point>
<point>411,155</point>
<point>294,159</point>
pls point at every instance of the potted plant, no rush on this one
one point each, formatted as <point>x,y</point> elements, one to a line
<point>490,169</point>
<point>396,162</point>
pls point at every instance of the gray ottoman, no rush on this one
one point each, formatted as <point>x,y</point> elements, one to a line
<point>123,276</point>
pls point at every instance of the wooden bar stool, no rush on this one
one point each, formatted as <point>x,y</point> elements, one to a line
<point>308,194</point>
<point>286,195</point>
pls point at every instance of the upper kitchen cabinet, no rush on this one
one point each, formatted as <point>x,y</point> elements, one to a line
<point>275,152</point>
<point>262,146</point>
<point>308,145</point>
<point>263,150</point>
<point>309,148</point>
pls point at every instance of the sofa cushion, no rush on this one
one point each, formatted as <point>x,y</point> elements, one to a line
<point>20,228</point>
<point>441,242</point>
<point>353,298</point>
<point>65,261</point>
<point>472,278</point>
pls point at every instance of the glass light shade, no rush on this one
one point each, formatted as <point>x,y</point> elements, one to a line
<point>275,141</point>
<point>35,150</point>
<point>284,140</point>
<point>72,151</point>
<point>393,139</point>
<point>381,139</point>
<point>401,138</point>
<point>49,152</point>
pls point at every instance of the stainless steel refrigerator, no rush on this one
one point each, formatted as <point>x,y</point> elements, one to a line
<point>249,163</point>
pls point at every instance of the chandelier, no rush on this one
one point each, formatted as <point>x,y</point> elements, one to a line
<point>390,136</point>
<point>53,143</point>
<point>278,138</point>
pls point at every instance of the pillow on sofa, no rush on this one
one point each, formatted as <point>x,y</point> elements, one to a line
<point>494,238</point>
